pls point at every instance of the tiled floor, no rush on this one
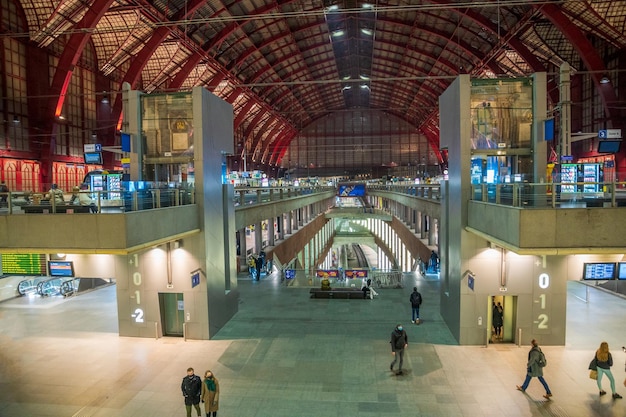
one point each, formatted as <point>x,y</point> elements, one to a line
<point>285,355</point>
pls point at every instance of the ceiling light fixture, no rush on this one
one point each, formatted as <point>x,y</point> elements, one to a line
<point>604,80</point>
<point>338,33</point>
<point>366,31</point>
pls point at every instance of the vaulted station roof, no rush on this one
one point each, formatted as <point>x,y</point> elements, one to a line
<point>284,64</point>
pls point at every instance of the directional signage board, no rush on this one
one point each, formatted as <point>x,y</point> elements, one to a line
<point>610,134</point>
<point>92,147</point>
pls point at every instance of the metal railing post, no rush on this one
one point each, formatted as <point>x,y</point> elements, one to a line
<point>519,337</point>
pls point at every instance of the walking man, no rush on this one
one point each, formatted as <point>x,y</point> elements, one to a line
<point>399,341</point>
<point>534,367</point>
<point>192,388</point>
<point>416,301</point>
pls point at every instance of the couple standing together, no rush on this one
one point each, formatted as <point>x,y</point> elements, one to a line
<point>195,390</point>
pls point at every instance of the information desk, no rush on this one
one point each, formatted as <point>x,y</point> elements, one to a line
<point>340,293</point>
<point>61,208</point>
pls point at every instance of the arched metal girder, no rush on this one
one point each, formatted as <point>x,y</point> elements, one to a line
<point>266,124</point>
<point>141,59</point>
<point>72,52</point>
<point>589,55</point>
<point>252,125</point>
<point>281,145</point>
<point>535,64</point>
<point>232,27</point>
<point>264,150</point>
<point>63,74</point>
<point>463,46</point>
<point>242,113</point>
<point>518,46</point>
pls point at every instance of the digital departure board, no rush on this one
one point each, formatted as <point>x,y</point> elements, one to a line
<point>24,264</point>
<point>599,270</point>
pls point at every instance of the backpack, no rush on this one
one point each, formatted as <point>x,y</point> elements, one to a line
<point>416,298</point>
<point>542,360</point>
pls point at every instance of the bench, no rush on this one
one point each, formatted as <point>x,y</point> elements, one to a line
<point>340,293</point>
<point>60,208</point>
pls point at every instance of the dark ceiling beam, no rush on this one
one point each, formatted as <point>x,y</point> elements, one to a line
<point>591,58</point>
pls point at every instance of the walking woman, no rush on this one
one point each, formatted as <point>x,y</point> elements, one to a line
<point>604,361</point>
<point>210,394</point>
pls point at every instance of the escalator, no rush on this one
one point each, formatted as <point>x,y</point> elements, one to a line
<point>58,286</point>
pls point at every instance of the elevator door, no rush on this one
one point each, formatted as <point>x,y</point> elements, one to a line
<point>509,309</point>
<point>172,313</point>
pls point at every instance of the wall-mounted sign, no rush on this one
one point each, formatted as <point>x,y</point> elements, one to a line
<point>610,134</point>
<point>195,279</point>
<point>23,264</point>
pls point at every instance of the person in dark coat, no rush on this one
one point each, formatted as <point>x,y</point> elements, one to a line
<point>191,388</point>
<point>535,369</point>
<point>416,301</point>
<point>259,266</point>
<point>399,341</point>
<point>210,394</point>
<point>498,319</point>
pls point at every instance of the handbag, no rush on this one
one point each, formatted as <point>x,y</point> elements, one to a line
<point>593,374</point>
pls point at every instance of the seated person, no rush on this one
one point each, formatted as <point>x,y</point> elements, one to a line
<point>81,197</point>
<point>55,194</point>
<point>325,284</point>
<point>367,286</point>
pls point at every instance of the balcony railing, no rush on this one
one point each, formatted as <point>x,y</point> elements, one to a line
<point>555,195</point>
<point>150,196</point>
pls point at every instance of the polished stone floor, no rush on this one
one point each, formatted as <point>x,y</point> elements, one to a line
<point>286,355</point>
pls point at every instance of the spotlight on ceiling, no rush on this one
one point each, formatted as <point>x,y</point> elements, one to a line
<point>604,80</point>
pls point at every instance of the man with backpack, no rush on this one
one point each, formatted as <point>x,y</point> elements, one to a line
<point>416,301</point>
<point>534,368</point>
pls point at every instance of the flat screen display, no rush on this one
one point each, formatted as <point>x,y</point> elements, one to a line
<point>621,270</point>
<point>599,270</point>
<point>351,190</point>
<point>23,263</point>
<point>609,146</point>
<point>93,158</point>
<point>61,268</point>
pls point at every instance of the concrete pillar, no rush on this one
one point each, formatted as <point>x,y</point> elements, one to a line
<point>288,222</point>
<point>258,237</point>
<point>270,231</point>
<point>243,247</point>
<point>281,226</point>
<point>424,226</point>
<point>432,232</point>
